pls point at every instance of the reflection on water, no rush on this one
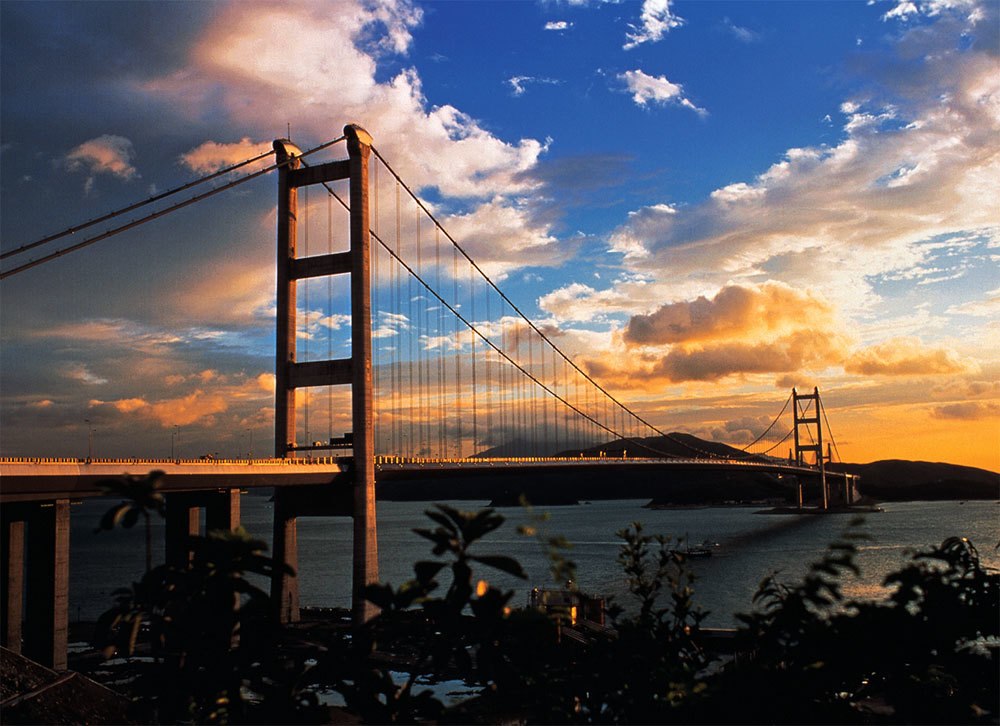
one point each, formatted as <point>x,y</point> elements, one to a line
<point>751,546</point>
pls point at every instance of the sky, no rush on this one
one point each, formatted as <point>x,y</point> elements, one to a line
<point>707,203</point>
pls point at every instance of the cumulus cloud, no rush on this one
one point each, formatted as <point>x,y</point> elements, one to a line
<point>907,357</point>
<point>657,90</point>
<point>330,73</point>
<point>558,25</point>
<point>742,430</point>
<point>735,311</point>
<point>787,353</point>
<point>741,330</point>
<point>657,20</point>
<point>577,302</point>
<point>107,154</point>
<point>499,237</point>
<point>212,156</point>
<point>182,411</point>
<point>717,360</point>
<point>909,9</point>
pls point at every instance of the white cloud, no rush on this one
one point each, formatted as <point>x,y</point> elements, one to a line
<point>244,65</point>
<point>744,35</point>
<point>831,217</point>
<point>500,237</point>
<point>902,10</point>
<point>519,84</point>
<point>986,308</point>
<point>657,19</point>
<point>907,9</point>
<point>558,25</point>
<point>659,90</point>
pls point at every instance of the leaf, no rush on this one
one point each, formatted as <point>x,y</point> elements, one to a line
<point>111,517</point>
<point>502,563</point>
<point>442,520</point>
<point>131,517</point>
<point>441,539</point>
<point>380,595</point>
<point>484,522</point>
<point>426,571</point>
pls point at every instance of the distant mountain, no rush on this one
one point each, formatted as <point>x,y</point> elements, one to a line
<point>887,480</point>
<point>899,480</point>
<point>673,444</point>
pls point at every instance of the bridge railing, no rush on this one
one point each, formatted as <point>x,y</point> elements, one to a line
<point>165,462</point>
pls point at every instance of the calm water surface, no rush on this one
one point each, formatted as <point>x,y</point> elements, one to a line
<point>751,546</point>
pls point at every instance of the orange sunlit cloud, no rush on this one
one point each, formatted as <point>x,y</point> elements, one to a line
<point>905,357</point>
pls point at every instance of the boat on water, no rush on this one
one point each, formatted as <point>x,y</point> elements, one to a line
<point>705,549</point>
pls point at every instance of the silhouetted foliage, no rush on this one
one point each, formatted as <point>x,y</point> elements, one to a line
<point>207,630</point>
<point>927,652</point>
<point>141,497</point>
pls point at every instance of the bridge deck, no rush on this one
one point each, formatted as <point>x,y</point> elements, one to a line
<point>26,479</point>
<point>30,479</point>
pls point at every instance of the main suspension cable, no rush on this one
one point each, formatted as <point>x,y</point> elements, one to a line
<point>768,430</point>
<point>156,215</point>
<point>134,206</point>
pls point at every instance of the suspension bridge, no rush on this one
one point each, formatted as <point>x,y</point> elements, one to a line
<point>444,375</point>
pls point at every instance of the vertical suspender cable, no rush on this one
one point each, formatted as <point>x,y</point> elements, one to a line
<point>377,366</point>
<point>489,373</point>
<point>458,358</point>
<point>305,319</point>
<point>442,432</point>
<point>329,316</point>
<point>475,393</point>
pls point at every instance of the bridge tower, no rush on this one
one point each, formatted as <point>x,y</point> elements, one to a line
<point>806,414</point>
<point>355,371</point>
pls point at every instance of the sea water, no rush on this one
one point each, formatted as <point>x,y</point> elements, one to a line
<point>751,546</point>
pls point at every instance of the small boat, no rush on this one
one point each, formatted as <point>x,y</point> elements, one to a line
<point>697,551</point>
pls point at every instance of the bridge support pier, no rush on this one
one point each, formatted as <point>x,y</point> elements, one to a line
<point>285,549</point>
<point>182,524</point>
<point>36,580</point>
<point>222,511</point>
<point>12,576</point>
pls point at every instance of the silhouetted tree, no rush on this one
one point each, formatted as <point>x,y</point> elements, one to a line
<point>141,497</point>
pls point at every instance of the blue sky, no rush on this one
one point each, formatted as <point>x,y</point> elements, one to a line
<point>709,201</point>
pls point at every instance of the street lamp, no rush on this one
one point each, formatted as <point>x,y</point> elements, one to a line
<point>250,448</point>
<point>90,440</point>
<point>173,441</point>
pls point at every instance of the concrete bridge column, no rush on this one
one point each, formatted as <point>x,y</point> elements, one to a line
<point>285,549</point>
<point>12,580</point>
<point>183,521</point>
<point>222,509</point>
<point>46,626</point>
